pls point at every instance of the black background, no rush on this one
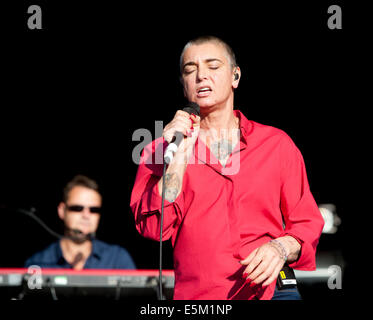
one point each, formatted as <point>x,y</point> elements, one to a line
<point>75,91</point>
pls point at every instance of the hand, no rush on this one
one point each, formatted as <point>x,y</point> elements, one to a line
<point>263,265</point>
<point>173,178</point>
<point>188,125</point>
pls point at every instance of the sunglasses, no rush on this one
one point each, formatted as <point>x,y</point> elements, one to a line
<point>78,208</point>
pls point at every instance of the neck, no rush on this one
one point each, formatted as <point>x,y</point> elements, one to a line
<point>72,246</point>
<point>219,117</point>
<point>75,253</point>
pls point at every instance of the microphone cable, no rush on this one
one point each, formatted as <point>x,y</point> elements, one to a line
<point>31,213</point>
<point>191,107</point>
<point>160,281</point>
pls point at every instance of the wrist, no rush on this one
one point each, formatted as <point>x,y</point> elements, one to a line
<point>292,247</point>
<point>282,250</point>
<point>182,155</point>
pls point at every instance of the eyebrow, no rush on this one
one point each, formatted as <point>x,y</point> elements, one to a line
<point>191,63</point>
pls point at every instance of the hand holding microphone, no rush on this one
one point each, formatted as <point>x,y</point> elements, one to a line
<point>182,132</point>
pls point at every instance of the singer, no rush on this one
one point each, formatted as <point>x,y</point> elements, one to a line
<point>232,230</point>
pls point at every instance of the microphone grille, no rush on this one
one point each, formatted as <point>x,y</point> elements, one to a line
<point>192,107</point>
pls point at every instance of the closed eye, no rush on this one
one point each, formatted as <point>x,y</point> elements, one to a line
<point>189,70</point>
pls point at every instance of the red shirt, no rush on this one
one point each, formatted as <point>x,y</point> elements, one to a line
<point>219,218</point>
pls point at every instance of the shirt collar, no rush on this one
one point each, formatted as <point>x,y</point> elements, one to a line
<point>97,252</point>
<point>96,249</point>
<point>245,124</point>
<point>59,256</point>
<point>245,127</point>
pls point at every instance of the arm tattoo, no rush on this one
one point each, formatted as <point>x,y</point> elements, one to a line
<point>172,186</point>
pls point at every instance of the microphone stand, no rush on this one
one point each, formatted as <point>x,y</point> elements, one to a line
<point>191,107</point>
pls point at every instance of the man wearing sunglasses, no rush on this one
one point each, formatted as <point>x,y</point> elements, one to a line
<point>80,212</point>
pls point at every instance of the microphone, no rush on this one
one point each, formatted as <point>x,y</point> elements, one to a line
<point>78,235</point>
<point>171,149</point>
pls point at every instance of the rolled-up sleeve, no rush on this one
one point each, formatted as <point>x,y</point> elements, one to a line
<point>302,217</point>
<point>146,202</point>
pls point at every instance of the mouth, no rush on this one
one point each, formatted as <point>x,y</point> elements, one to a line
<point>85,224</point>
<point>203,91</point>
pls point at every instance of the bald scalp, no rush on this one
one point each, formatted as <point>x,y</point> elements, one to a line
<point>210,39</point>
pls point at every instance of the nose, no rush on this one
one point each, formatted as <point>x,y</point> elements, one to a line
<point>201,74</point>
<point>86,212</point>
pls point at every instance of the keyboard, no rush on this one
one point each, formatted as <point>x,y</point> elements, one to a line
<point>57,284</point>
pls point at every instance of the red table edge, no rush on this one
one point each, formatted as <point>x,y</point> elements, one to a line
<point>92,272</point>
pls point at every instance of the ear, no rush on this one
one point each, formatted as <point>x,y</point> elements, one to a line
<point>236,77</point>
<point>61,210</point>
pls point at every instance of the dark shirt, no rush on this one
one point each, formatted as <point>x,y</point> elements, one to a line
<point>103,256</point>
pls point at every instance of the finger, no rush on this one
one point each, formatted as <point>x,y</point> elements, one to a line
<point>268,272</point>
<point>249,258</point>
<point>253,265</point>
<point>274,275</point>
<point>169,133</point>
<point>181,114</point>
<point>259,270</point>
<point>195,119</point>
<point>187,121</point>
<point>182,118</point>
<point>195,132</point>
<point>180,125</point>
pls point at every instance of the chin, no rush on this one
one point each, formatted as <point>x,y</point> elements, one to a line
<point>205,103</point>
<point>84,230</point>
